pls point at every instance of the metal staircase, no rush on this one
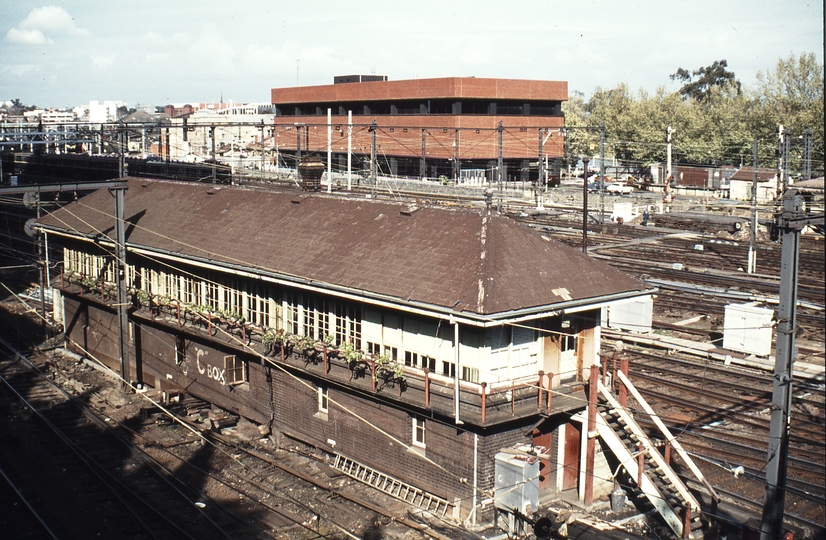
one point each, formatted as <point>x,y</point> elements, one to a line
<point>391,486</point>
<point>657,480</point>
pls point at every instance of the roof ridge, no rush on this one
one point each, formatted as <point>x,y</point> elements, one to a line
<point>483,277</point>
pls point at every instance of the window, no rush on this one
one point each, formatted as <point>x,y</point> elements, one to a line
<point>180,349</point>
<point>373,348</point>
<point>236,370</point>
<point>392,353</point>
<point>212,295</point>
<point>323,400</point>
<point>293,321</point>
<point>348,325</point>
<point>317,316</point>
<point>419,430</point>
<point>448,369</point>
<point>259,310</point>
<point>428,363</point>
<point>470,374</point>
<point>411,359</point>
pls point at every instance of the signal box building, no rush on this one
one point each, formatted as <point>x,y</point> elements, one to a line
<point>428,127</point>
<point>411,342</point>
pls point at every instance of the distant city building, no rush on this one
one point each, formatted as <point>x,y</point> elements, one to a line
<point>428,127</point>
<point>174,110</point>
<point>106,111</point>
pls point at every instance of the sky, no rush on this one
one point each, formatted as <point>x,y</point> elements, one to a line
<point>65,53</point>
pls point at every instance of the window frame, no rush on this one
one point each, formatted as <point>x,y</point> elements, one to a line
<point>323,399</point>
<point>232,364</point>
<point>419,433</point>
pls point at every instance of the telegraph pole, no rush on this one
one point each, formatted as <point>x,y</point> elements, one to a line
<point>540,186</point>
<point>668,133</point>
<point>783,160</point>
<point>752,263</point>
<point>585,205</point>
<point>807,154</point>
<point>120,266</point>
<point>329,150</point>
<point>349,150</point>
<point>602,173</point>
<point>790,223</point>
<point>500,165</point>
<point>423,160</point>
<point>372,130</point>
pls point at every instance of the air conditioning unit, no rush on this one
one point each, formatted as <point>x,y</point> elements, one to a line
<point>748,329</point>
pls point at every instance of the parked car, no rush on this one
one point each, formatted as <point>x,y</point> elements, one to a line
<point>593,187</point>
<point>619,188</point>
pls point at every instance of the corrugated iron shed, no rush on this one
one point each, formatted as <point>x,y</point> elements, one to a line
<point>466,260</point>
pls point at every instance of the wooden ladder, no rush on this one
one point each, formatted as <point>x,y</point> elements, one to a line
<point>393,487</point>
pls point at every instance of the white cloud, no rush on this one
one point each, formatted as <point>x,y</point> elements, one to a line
<point>17,69</point>
<point>42,22</point>
<point>103,60</point>
<point>26,37</point>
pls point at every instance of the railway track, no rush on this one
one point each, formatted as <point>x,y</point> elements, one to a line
<point>720,416</point>
<point>99,471</point>
<point>187,484</point>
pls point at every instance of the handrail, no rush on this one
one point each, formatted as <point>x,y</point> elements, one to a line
<point>652,451</point>
<point>668,436</point>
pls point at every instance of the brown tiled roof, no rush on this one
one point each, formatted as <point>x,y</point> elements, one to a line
<point>466,260</point>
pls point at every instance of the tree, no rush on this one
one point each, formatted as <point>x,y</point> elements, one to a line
<point>698,83</point>
<point>792,95</point>
<point>17,107</point>
<point>576,139</point>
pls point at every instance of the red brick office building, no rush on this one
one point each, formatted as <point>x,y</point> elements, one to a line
<point>428,127</point>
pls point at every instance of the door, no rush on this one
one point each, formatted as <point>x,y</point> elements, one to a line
<point>542,444</point>
<point>570,464</point>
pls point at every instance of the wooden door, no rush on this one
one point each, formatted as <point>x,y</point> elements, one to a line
<point>542,443</point>
<point>570,464</point>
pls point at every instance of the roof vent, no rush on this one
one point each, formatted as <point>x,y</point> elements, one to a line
<point>409,210</point>
<point>296,201</point>
<point>210,192</point>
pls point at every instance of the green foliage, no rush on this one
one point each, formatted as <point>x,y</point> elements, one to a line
<point>715,120</point>
<point>349,352</point>
<point>700,82</point>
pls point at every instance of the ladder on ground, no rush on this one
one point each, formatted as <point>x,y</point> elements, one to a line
<point>658,482</point>
<point>395,488</point>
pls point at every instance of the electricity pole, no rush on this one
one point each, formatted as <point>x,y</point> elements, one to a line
<point>602,173</point>
<point>120,264</point>
<point>752,264</point>
<point>372,130</point>
<point>807,154</point>
<point>790,223</point>
<point>585,205</point>
<point>500,165</point>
